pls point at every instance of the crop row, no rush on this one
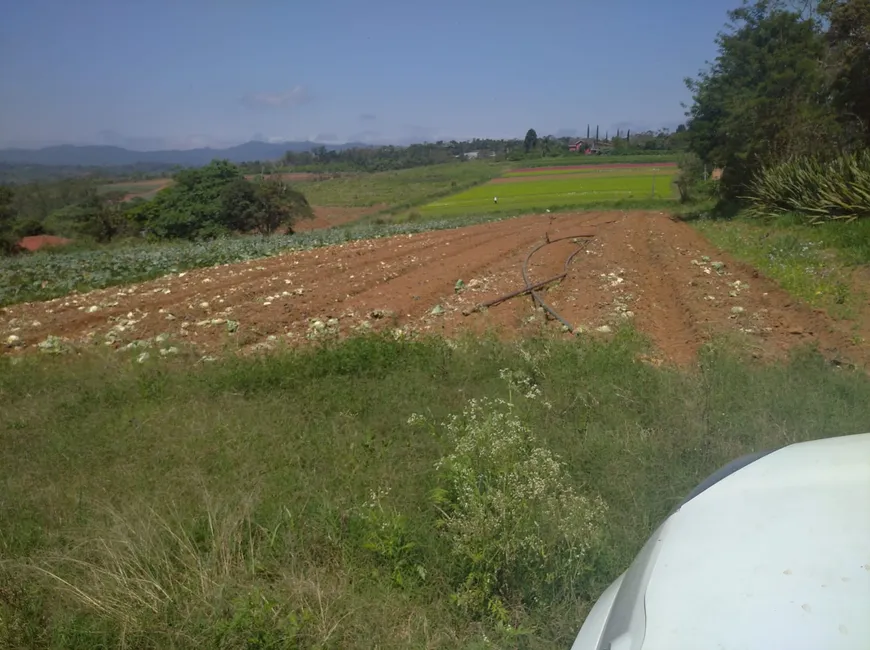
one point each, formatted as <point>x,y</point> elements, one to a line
<point>46,275</point>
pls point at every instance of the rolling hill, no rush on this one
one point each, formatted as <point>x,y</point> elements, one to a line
<point>108,156</point>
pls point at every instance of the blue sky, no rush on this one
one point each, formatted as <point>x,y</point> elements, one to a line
<point>186,73</point>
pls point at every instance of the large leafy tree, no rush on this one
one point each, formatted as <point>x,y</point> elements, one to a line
<point>99,216</point>
<point>7,217</point>
<point>848,39</point>
<point>193,207</point>
<point>763,98</point>
<point>264,206</point>
<point>282,206</point>
<point>530,141</point>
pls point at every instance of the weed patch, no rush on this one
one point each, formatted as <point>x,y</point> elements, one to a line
<point>810,262</point>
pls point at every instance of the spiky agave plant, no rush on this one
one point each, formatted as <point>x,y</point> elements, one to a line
<point>819,190</point>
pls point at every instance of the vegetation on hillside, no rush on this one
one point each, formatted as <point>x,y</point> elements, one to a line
<point>217,200</point>
<point>20,173</point>
<point>375,159</point>
<point>202,203</point>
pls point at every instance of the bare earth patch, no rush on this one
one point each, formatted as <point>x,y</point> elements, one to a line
<point>327,216</point>
<point>639,266</point>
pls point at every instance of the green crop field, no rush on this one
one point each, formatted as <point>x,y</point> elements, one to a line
<point>394,190</point>
<point>398,189</point>
<point>664,168</point>
<point>594,161</point>
<point>136,189</point>
<point>580,189</point>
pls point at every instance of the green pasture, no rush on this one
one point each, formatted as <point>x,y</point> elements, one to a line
<point>140,189</point>
<point>592,161</point>
<point>397,189</point>
<point>579,190</point>
<point>664,168</point>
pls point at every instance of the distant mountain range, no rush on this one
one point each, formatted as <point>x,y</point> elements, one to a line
<point>107,156</point>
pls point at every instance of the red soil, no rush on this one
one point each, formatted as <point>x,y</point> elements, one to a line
<point>640,266</point>
<point>35,242</point>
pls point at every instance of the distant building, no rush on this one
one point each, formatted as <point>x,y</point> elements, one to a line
<point>472,155</point>
<point>590,147</point>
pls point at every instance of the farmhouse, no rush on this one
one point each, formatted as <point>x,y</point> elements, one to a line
<point>590,147</point>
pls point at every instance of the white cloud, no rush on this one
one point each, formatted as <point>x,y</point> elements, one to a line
<point>296,96</point>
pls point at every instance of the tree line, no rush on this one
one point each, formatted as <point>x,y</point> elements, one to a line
<point>791,81</point>
<point>390,158</point>
<point>622,143</point>
<point>19,173</point>
<point>202,203</point>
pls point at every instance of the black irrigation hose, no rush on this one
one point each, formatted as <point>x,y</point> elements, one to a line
<point>535,296</point>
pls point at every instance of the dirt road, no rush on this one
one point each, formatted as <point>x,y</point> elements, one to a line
<point>640,267</point>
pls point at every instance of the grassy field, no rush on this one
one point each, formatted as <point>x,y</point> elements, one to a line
<point>313,498</point>
<point>813,263</point>
<point>400,189</point>
<point>578,189</point>
<point>394,190</point>
<point>591,169</point>
<point>140,189</point>
<point>597,160</point>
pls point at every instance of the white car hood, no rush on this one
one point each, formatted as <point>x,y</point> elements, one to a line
<point>776,555</point>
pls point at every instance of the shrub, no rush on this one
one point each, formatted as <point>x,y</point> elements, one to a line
<point>384,533</point>
<point>820,191</point>
<point>519,531</point>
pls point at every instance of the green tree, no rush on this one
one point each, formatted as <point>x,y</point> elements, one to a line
<point>689,177</point>
<point>848,61</point>
<point>7,219</point>
<point>281,206</point>
<point>762,99</point>
<point>263,206</point>
<point>194,207</point>
<point>98,216</point>
<point>530,141</point>
<point>239,205</point>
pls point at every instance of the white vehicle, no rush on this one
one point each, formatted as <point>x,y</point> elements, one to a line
<point>772,552</point>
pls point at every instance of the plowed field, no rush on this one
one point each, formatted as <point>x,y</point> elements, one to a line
<point>640,266</point>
